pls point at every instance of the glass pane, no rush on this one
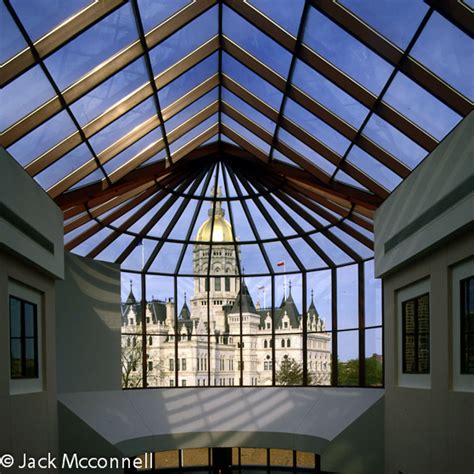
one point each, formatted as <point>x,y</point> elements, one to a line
<point>30,359</point>
<point>253,456</point>
<point>88,245</point>
<point>278,155</point>
<point>166,259</point>
<point>19,98</point>
<point>373,296</point>
<point>277,253</point>
<point>184,41</point>
<point>111,253</point>
<point>93,177</point>
<point>305,151</point>
<point>305,460</point>
<point>167,459</point>
<point>42,138</point>
<point>281,457</point>
<point>397,21</point>
<point>319,350</point>
<point>255,42</point>
<point>74,233</point>
<point>122,125</point>
<point>132,343</point>
<point>242,228</point>
<point>252,260</point>
<point>248,111</point>
<point>133,150</point>
<point>198,129</point>
<point>108,36</point>
<point>12,40</point>
<point>195,457</point>
<point>286,228</point>
<point>154,13</point>
<point>161,155</point>
<point>251,81</point>
<point>448,52</point>
<point>373,358</point>
<point>15,317</point>
<point>289,361</point>
<point>278,11</point>
<point>64,166</point>
<point>319,295</point>
<point>347,297</point>
<point>187,81</point>
<point>328,94</point>
<point>394,141</point>
<point>306,254</point>
<point>346,52</point>
<point>332,250</point>
<point>352,243</point>
<point>343,177</point>
<point>191,110</point>
<point>373,168</point>
<point>111,91</point>
<point>421,107</point>
<point>245,133</point>
<point>30,319</point>
<point>316,127</point>
<point>15,358</point>
<point>348,359</point>
<point>41,16</point>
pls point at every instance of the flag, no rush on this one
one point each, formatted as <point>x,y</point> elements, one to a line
<point>281,264</point>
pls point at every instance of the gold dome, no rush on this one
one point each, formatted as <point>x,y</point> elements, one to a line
<point>222,231</point>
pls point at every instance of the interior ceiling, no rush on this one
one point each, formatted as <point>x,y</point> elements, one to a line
<point>307,114</point>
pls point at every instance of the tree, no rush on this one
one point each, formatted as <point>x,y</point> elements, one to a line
<point>157,379</point>
<point>131,361</point>
<point>374,370</point>
<point>290,373</point>
<point>348,372</point>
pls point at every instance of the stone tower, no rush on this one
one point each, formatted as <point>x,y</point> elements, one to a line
<point>222,286</point>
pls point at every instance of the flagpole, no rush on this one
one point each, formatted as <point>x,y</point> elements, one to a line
<point>284,279</point>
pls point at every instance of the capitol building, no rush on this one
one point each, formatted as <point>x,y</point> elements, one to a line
<point>240,331</point>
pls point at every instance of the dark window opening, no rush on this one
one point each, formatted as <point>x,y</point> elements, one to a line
<point>23,339</point>
<point>416,335</point>
<point>467,325</point>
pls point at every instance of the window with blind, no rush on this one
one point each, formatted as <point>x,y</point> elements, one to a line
<point>416,335</point>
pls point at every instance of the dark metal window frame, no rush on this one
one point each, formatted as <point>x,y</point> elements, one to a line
<point>361,329</point>
<point>466,329</point>
<point>23,338</point>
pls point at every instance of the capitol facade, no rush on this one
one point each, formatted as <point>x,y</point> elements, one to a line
<point>221,336</point>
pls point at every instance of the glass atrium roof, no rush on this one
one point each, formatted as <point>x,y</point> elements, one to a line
<point>305,114</point>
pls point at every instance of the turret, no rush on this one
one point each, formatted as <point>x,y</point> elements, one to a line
<point>170,312</point>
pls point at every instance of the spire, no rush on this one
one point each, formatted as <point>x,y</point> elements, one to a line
<point>218,204</point>
<point>312,307</point>
<point>291,310</point>
<point>247,302</point>
<point>131,297</point>
<point>185,313</point>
